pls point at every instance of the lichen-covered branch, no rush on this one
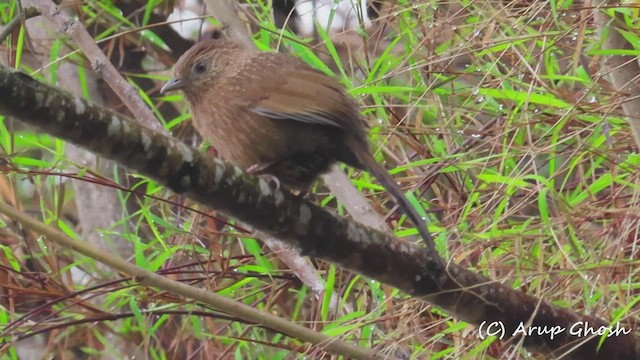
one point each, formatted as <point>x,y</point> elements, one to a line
<point>466,295</point>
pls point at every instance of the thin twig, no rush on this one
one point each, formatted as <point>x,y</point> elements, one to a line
<point>13,24</point>
<point>210,298</point>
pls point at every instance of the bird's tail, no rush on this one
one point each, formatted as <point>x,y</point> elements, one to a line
<point>381,174</point>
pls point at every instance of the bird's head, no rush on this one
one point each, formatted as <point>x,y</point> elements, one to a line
<point>201,65</point>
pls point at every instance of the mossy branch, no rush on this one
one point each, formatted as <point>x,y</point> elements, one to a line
<point>317,232</point>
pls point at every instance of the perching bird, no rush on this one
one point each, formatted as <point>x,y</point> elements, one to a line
<point>272,114</point>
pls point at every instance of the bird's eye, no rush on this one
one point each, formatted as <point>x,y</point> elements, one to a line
<point>199,68</point>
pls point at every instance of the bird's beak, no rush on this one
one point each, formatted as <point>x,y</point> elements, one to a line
<point>175,83</point>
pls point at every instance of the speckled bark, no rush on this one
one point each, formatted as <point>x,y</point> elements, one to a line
<point>466,295</point>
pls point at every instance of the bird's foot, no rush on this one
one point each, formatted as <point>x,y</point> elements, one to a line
<point>258,170</point>
<point>270,179</point>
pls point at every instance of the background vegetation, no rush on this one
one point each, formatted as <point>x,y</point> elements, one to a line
<point>501,119</point>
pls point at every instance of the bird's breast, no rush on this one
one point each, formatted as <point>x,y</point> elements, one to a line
<point>239,135</point>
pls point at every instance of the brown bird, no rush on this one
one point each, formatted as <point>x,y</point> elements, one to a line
<point>272,114</point>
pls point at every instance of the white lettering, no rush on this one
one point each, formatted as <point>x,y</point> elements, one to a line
<point>581,329</point>
<point>551,331</point>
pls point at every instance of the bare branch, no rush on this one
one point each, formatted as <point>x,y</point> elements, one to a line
<point>220,302</point>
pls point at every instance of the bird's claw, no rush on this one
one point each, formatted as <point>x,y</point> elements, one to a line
<point>256,169</point>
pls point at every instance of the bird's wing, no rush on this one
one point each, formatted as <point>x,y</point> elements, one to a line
<point>292,90</point>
